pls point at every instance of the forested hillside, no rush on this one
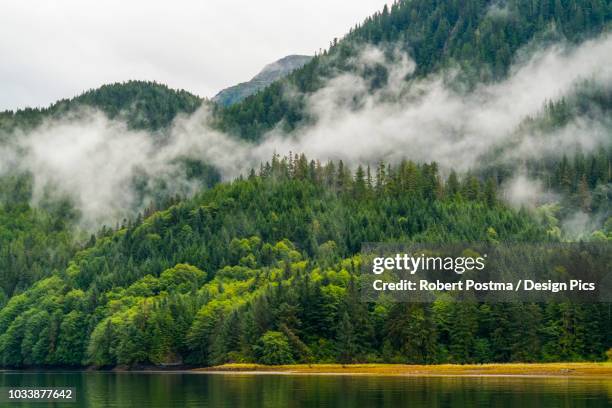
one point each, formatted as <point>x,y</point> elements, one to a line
<point>265,269</point>
<point>278,250</point>
<point>480,37</point>
<point>40,238</point>
<point>143,105</point>
<point>39,235</point>
<point>34,242</point>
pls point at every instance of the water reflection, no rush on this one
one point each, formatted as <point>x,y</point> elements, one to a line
<point>104,389</point>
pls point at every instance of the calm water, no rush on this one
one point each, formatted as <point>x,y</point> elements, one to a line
<point>143,390</point>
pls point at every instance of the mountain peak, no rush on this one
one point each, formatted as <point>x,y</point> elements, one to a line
<point>282,67</point>
<point>270,73</point>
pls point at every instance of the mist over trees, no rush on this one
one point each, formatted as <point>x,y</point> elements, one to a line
<point>265,268</point>
<point>479,37</point>
<point>142,105</point>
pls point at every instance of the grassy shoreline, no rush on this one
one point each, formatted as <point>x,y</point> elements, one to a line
<point>454,370</point>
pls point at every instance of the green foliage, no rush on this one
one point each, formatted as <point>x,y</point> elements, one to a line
<point>346,340</point>
<point>273,349</point>
<point>34,242</point>
<point>281,284</point>
<point>480,37</point>
<point>181,278</point>
<point>280,248</point>
<point>143,105</point>
<point>37,240</point>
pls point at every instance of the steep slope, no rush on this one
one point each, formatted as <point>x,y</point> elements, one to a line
<point>271,72</point>
<point>40,222</point>
<point>481,37</point>
<point>161,290</point>
<point>265,268</point>
<point>34,241</point>
<point>271,262</point>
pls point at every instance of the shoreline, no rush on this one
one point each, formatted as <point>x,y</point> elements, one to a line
<point>558,370</point>
<point>510,370</point>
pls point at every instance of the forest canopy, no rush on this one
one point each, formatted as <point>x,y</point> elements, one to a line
<point>265,267</point>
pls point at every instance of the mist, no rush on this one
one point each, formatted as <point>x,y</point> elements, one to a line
<point>428,121</point>
<point>94,159</point>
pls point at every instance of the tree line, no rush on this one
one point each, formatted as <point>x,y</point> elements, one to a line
<point>266,269</point>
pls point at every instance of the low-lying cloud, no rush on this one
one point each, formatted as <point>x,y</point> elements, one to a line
<point>94,159</point>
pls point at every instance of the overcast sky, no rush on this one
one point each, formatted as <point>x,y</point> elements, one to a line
<point>52,49</point>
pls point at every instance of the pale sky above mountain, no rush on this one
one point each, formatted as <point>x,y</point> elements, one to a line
<point>54,49</point>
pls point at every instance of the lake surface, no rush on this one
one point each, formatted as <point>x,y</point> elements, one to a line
<point>143,390</point>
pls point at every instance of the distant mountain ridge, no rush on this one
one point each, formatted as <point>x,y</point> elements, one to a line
<point>266,268</point>
<point>436,34</point>
<point>270,73</point>
<point>142,104</point>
